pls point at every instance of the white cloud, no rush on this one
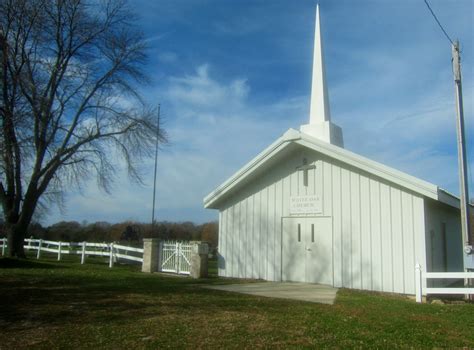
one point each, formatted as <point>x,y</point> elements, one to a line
<point>199,93</point>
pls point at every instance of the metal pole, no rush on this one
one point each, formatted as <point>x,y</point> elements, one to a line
<point>156,163</point>
<point>463,185</point>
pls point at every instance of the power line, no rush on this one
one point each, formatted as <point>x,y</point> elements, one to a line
<point>437,21</point>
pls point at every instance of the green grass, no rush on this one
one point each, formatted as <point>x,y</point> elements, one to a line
<point>50,304</point>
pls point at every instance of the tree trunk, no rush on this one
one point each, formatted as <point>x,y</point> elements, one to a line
<point>16,236</point>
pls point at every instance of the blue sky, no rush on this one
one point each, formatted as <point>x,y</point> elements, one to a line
<point>232,76</point>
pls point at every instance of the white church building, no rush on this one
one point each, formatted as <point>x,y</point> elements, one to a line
<point>306,209</point>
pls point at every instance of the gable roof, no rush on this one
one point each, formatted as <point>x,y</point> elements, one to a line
<point>292,138</point>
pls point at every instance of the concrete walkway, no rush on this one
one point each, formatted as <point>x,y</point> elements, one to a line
<point>315,293</point>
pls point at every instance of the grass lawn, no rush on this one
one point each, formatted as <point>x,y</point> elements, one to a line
<point>50,304</point>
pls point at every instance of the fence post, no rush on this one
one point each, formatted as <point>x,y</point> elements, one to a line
<point>83,254</point>
<point>151,255</point>
<point>418,283</point>
<point>115,255</point>
<point>159,255</point>
<point>3,246</point>
<point>199,260</point>
<point>176,261</point>
<point>38,254</point>
<point>59,250</point>
<point>111,258</point>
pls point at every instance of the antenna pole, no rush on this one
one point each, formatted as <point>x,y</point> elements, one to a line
<point>463,185</point>
<point>156,164</point>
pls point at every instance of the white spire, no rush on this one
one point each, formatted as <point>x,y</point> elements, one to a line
<point>319,111</point>
<point>320,125</point>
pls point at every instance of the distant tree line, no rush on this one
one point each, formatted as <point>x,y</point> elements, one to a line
<point>127,231</point>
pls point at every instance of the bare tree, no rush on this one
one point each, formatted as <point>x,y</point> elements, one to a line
<point>69,101</point>
<point>210,233</point>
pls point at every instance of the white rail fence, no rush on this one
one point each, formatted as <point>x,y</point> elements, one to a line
<point>420,276</point>
<point>84,249</point>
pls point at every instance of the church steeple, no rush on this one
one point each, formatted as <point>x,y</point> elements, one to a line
<point>319,111</point>
<point>320,125</point>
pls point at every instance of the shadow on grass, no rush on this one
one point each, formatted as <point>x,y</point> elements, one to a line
<point>56,300</point>
<point>61,300</point>
<point>55,293</point>
<point>14,263</point>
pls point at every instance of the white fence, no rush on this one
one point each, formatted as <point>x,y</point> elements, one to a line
<point>111,250</point>
<point>175,257</point>
<point>420,276</point>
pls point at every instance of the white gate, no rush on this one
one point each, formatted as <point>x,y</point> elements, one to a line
<point>175,257</point>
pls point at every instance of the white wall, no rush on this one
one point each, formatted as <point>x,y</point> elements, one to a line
<point>444,250</point>
<point>378,228</point>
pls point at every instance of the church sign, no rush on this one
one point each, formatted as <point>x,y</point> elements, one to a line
<point>305,204</point>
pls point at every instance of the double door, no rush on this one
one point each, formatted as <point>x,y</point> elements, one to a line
<point>307,250</point>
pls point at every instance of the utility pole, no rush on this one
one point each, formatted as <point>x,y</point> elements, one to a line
<point>156,165</point>
<point>462,162</point>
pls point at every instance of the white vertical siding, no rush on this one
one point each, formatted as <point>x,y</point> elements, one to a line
<point>386,238</point>
<point>238,241</point>
<point>365,233</point>
<point>277,234</point>
<point>231,248</point>
<point>377,227</point>
<point>248,237</point>
<point>227,243</point>
<point>397,241</point>
<point>408,241</point>
<point>356,268</point>
<point>419,228</point>
<point>252,231</point>
<point>337,225</point>
<point>295,189</point>
<point>220,256</point>
<point>327,190</point>
<point>263,233</point>
<point>316,179</point>
<point>270,236</point>
<point>257,233</point>
<point>346,228</point>
<point>223,243</point>
<point>376,235</point>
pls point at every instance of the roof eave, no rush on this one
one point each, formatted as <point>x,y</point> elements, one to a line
<point>448,198</point>
<point>404,180</point>
<point>212,198</point>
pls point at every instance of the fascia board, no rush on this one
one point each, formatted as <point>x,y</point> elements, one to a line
<point>392,175</point>
<point>404,180</point>
<point>247,170</point>
<point>449,198</point>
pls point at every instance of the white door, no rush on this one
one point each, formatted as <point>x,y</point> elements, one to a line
<point>294,250</point>
<point>307,250</point>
